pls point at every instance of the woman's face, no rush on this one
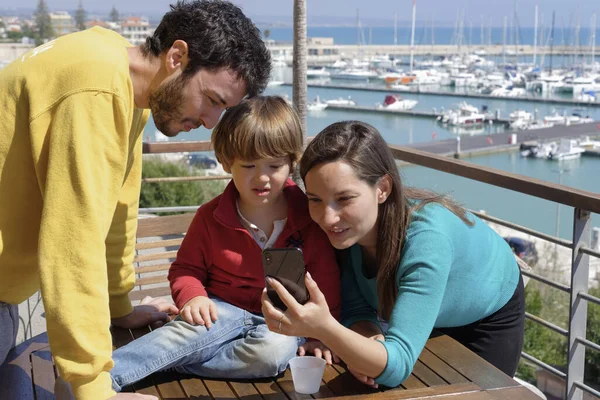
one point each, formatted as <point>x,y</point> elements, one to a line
<point>344,206</point>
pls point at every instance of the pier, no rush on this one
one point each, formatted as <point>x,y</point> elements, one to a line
<point>482,144</point>
<point>419,91</point>
<point>408,113</point>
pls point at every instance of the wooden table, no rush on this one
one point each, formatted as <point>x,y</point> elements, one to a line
<point>445,369</point>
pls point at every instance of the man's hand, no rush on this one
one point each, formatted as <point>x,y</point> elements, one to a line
<point>318,349</point>
<point>199,310</point>
<point>133,396</point>
<point>150,311</point>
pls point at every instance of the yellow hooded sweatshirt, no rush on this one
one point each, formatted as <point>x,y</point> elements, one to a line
<point>70,176</point>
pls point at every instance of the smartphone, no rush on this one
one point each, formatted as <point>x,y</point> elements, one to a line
<point>287,266</point>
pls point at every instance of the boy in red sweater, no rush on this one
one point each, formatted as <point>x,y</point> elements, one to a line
<point>217,278</point>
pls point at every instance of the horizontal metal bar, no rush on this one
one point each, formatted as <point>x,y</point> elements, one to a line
<point>589,252</point>
<point>588,343</point>
<point>548,282</point>
<point>547,324</point>
<point>186,178</point>
<point>519,183</point>
<point>524,229</point>
<point>586,388</point>
<point>543,365</point>
<point>153,210</point>
<point>589,297</point>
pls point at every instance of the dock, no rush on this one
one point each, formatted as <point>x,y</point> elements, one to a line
<point>482,144</point>
<point>408,113</point>
<point>419,91</point>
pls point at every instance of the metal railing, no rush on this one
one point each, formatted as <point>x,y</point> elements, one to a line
<point>584,204</point>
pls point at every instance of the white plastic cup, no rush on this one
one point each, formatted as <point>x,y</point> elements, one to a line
<point>307,372</point>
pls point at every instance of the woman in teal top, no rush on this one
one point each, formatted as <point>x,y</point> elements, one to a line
<point>411,261</point>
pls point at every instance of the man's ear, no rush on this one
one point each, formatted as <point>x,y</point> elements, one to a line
<point>177,56</point>
<point>384,188</point>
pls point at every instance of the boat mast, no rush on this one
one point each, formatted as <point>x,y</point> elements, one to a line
<point>516,36</point>
<point>395,28</point>
<point>412,35</point>
<point>593,40</point>
<point>552,41</point>
<point>535,33</point>
<point>504,41</point>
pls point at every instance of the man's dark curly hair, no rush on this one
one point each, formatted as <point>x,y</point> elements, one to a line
<point>218,35</point>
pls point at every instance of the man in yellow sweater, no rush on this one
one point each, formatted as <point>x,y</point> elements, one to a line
<point>73,112</point>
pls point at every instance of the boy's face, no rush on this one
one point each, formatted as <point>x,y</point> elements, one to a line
<point>260,182</point>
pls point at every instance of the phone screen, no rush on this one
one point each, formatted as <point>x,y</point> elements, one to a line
<point>287,266</point>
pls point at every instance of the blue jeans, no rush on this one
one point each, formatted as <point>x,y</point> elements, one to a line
<point>239,345</point>
<point>9,326</point>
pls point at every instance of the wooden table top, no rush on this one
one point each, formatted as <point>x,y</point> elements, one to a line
<point>445,369</point>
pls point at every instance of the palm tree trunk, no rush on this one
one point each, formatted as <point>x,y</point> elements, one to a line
<point>299,71</point>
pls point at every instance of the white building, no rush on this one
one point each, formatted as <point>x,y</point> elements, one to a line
<point>136,30</point>
<point>62,23</point>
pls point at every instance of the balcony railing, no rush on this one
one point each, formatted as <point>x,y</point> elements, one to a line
<point>584,204</point>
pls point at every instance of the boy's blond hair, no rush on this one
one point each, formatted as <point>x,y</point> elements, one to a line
<point>259,127</point>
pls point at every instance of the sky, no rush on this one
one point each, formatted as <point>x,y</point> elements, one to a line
<point>374,11</point>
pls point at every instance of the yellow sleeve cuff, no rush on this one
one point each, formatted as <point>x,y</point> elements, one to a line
<point>120,305</point>
<point>98,389</point>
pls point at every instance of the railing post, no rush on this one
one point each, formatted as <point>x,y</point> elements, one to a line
<point>580,265</point>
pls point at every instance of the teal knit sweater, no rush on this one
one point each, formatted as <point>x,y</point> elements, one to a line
<point>450,274</point>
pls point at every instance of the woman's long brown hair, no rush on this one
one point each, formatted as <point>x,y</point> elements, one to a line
<point>361,146</point>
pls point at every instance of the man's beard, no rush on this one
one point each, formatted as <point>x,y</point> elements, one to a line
<point>167,104</point>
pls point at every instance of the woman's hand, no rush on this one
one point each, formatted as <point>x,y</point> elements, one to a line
<point>318,349</point>
<point>308,320</point>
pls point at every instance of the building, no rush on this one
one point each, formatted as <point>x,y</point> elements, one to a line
<point>136,30</point>
<point>62,23</point>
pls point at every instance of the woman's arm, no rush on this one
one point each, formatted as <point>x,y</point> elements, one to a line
<point>364,355</point>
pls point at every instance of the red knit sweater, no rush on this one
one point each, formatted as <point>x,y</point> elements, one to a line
<point>220,257</point>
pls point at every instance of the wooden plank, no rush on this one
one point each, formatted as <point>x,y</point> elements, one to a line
<point>521,393</point>
<point>171,390</point>
<point>166,225</point>
<point>175,147</point>
<point>120,336</point>
<point>270,390</point>
<point>152,268</point>
<point>194,388</point>
<point>219,390</point>
<point>43,378</point>
<point>139,294</point>
<point>460,390</point>
<point>158,244</point>
<point>151,390</point>
<point>165,255</point>
<point>151,280</point>
<point>469,364</point>
<point>426,375</point>
<point>412,382</point>
<point>287,386</point>
<point>345,384</point>
<point>441,368</point>
<point>245,390</point>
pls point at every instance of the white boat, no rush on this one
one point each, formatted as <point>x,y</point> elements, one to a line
<point>396,102</point>
<point>464,114</point>
<point>340,101</point>
<point>567,150</point>
<point>275,83</point>
<point>355,74</point>
<point>316,105</point>
<point>519,119</point>
<point>587,143</point>
<point>317,73</point>
<point>541,150</point>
